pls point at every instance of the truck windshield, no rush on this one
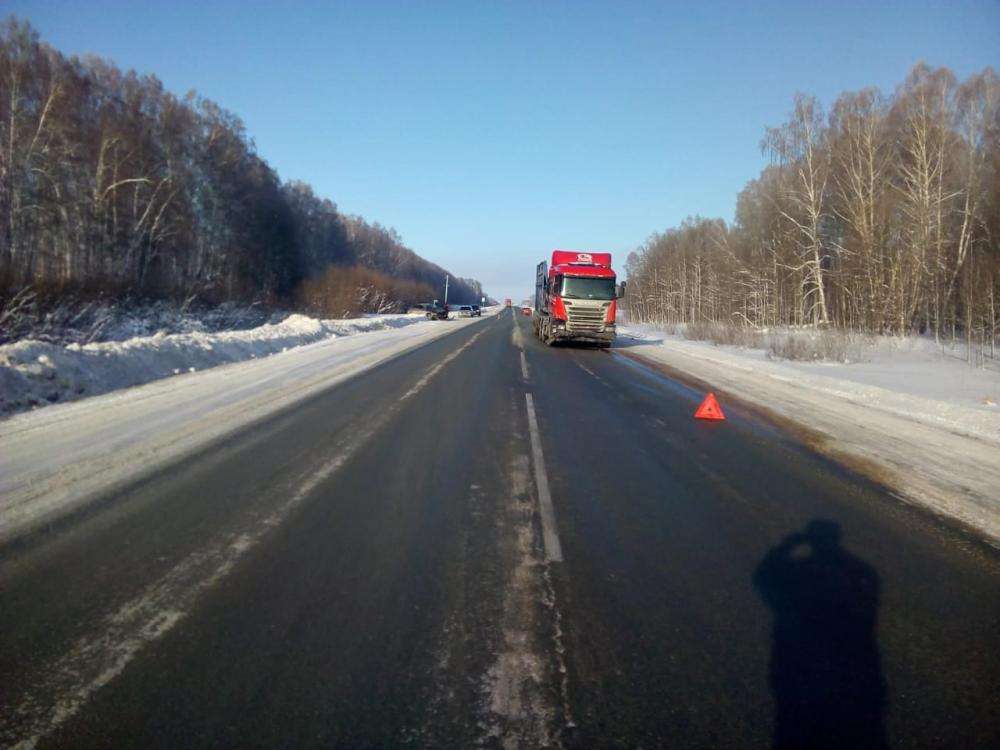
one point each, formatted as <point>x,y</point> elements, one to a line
<point>587,288</point>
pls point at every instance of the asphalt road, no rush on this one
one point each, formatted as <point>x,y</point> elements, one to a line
<point>488,542</point>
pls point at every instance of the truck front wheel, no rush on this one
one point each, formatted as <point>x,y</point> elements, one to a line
<point>547,332</point>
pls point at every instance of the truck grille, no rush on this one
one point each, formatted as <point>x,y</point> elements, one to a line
<point>586,318</point>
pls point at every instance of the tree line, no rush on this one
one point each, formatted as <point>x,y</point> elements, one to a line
<point>881,215</point>
<point>111,186</point>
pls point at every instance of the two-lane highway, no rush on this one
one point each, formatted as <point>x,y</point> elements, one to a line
<point>489,542</point>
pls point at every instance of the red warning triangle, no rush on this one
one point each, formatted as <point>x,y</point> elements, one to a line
<point>709,409</point>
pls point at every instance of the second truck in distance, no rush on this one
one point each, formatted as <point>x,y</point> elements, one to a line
<point>576,298</point>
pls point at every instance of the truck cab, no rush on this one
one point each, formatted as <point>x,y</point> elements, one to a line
<point>576,298</point>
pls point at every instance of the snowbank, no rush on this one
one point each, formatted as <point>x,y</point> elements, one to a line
<point>36,373</point>
<point>911,415</point>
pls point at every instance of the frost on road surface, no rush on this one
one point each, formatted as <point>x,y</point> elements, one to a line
<point>55,459</point>
<point>928,424</point>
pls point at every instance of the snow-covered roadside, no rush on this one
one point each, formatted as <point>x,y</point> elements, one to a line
<point>941,453</point>
<point>35,373</point>
<point>55,459</point>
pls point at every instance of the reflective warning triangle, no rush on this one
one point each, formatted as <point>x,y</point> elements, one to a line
<point>709,409</point>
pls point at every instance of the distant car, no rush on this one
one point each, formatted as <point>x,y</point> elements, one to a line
<point>437,311</point>
<point>525,311</point>
<point>477,311</point>
<point>465,311</point>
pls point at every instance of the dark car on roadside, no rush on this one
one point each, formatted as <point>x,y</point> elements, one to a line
<point>437,311</point>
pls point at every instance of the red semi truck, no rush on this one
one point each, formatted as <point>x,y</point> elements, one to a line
<point>576,298</point>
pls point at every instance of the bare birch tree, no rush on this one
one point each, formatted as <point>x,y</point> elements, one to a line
<point>799,146</point>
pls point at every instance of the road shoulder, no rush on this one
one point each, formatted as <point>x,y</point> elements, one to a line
<point>951,474</point>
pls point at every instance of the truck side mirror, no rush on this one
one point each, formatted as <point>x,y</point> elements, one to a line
<point>621,290</point>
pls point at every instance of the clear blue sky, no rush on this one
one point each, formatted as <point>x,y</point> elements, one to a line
<point>488,133</point>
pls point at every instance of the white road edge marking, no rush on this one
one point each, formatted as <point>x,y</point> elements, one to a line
<point>590,372</point>
<point>437,368</point>
<point>553,549</point>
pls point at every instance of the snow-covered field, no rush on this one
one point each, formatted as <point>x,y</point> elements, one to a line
<point>920,413</point>
<point>55,459</point>
<point>36,373</point>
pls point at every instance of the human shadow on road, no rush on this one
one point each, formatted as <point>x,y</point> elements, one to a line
<point>826,674</point>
